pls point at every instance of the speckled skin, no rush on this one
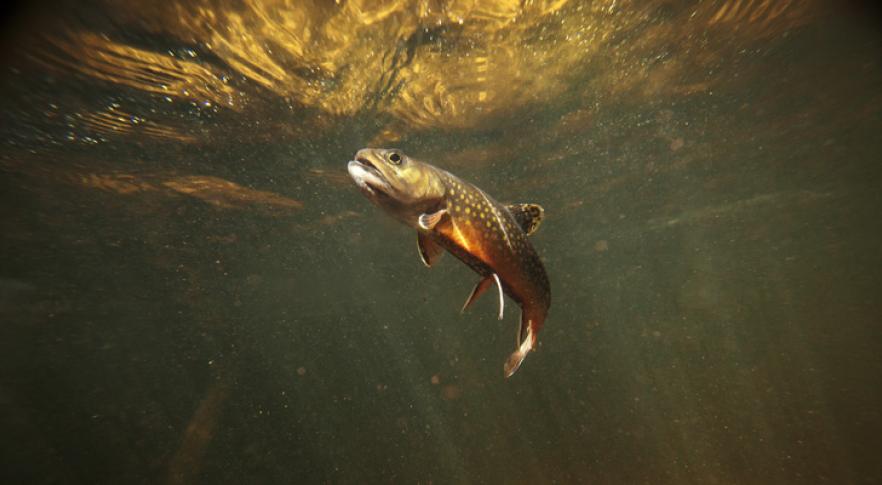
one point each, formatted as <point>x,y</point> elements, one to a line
<point>474,227</point>
<point>482,233</point>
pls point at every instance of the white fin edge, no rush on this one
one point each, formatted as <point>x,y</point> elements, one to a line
<point>429,221</point>
<point>428,249</point>
<point>501,299</point>
<point>517,357</point>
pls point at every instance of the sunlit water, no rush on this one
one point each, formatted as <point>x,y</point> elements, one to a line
<point>193,291</point>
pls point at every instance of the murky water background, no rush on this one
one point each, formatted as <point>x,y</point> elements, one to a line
<point>192,290</point>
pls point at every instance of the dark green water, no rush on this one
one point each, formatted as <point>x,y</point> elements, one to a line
<point>192,291</point>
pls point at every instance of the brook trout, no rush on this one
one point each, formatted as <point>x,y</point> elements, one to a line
<point>451,214</point>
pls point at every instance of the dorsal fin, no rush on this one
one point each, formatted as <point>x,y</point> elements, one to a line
<point>529,216</point>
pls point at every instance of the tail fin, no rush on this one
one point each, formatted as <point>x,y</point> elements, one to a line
<point>517,357</point>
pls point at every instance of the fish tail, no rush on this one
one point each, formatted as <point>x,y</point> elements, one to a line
<point>527,342</point>
<point>517,357</point>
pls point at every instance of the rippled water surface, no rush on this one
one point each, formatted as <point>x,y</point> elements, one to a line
<point>192,290</point>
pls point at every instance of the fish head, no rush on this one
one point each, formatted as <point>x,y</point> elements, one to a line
<point>398,184</point>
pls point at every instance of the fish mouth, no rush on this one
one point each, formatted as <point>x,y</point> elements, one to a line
<point>368,177</point>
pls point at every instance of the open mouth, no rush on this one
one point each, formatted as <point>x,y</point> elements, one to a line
<point>367,177</point>
<point>366,163</point>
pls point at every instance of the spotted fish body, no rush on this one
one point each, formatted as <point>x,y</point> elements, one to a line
<point>453,215</point>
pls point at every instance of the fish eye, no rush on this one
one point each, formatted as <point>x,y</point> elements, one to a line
<point>395,158</point>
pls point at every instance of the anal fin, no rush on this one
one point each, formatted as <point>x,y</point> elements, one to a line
<point>501,296</point>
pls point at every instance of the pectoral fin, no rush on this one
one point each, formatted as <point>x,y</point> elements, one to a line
<point>430,251</point>
<point>480,288</point>
<point>528,216</point>
<point>429,221</point>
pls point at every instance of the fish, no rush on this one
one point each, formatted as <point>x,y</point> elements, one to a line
<point>452,215</point>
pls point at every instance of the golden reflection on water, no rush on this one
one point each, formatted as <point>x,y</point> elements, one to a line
<point>114,121</point>
<point>413,65</point>
<point>99,57</point>
<point>214,191</point>
<point>425,64</point>
<point>225,194</point>
<point>764,16</point>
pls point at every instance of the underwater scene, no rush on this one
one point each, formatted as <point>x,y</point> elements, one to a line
<point>238,240</point>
